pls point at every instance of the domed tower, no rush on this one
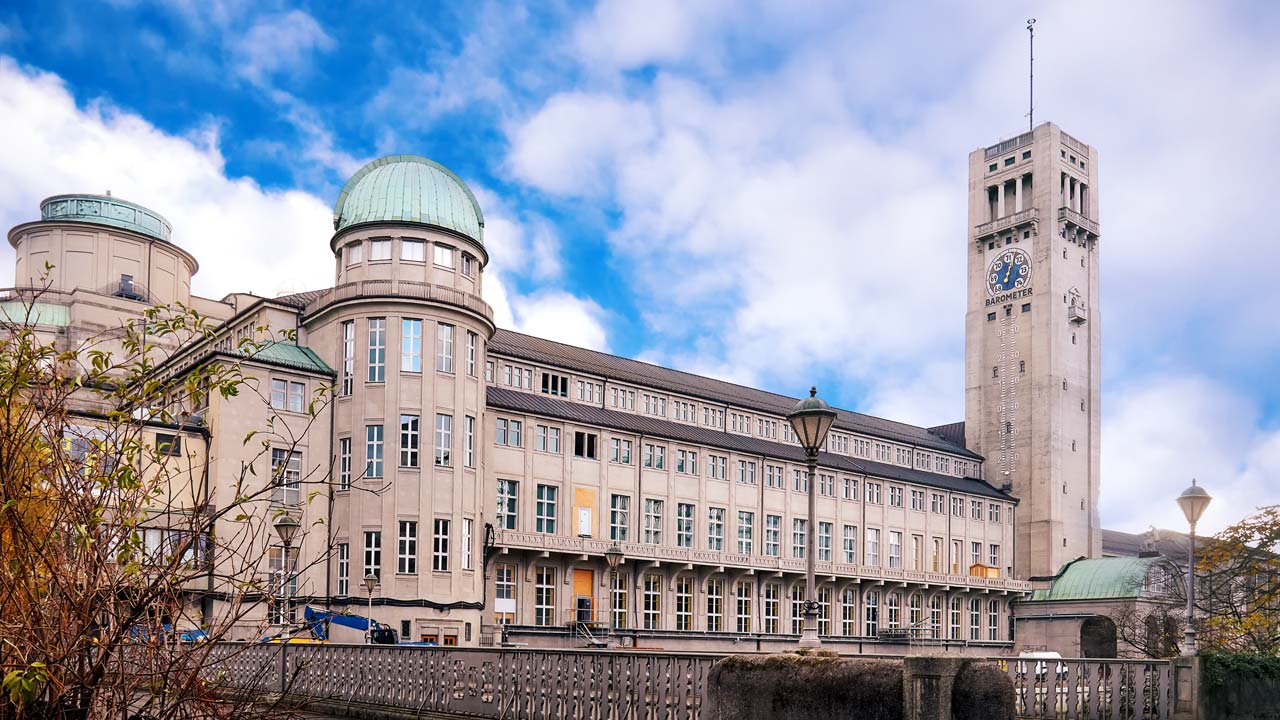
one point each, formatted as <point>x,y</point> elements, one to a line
<point>407,330</point>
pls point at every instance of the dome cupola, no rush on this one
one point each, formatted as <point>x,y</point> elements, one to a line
<point>409,189</point>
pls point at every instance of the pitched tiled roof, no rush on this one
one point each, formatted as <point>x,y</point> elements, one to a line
<point>536,404</point>
<point>533,349</point>
<point>302,299</point>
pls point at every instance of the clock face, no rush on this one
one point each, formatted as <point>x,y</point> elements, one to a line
<point>1011,270</point>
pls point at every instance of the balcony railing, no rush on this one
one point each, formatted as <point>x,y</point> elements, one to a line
<point>1066,214</point>
<point>1009,145</point>
<point>665,553</point>
<point>1022,217</point>
<point>400,289</point>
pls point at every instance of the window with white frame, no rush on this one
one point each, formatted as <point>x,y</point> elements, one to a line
<point>409,441</point>
<point>850,488</point>
<point>849,612</point>
<point>407,548</point>
<point>850,544</point>
<point>373,553</point>
<point>895,549</point>
<point>444,440</point>
<point>937,503</point>
<point>873,546</point>
<point>715,528</point>
<point>773,476</point>
<point>747,472</point>
<point>684,523</point>
<point>443,256</point>
<point>619,517</point>
<point>799,530</point>
<point>975,619</point>
<point>684,603</point>
<point>655,456</point>
<point>466,543</point>
<point>957,507</point>
<point>955,619</point>
<point>286,475</point>
<point>895,496</point>
<point>468,265</point>
<point>545,518</point>
<point>715,605</point>
<point>508,494</point>
<point>584,444</point>
<point>618,600</point>
<point>993,512</point>
<point>687,462</point>
<point>505,590</point>
<point>746,531</point>
<point>444,348</point>
<point>975,510</point>
<point>355,253</point>
<point>717,467</point>
<point>440,546</point>
<point>507,432</point>
<point>344,569</point>
<point>380,249</point>
<point>993,620</point>
<point>344,463</point>
<point>800,481</point>
<point>546,439</point>
<point>413,250</point>
<point>620,451</point>
<point>871,605</point>
<point>824,541</point>
<point>917,500</point>
<point>826,485</point>
<point>652,615</point>
<point>469,445</point>
<point>348,356</point>
<point>773,535</point>
<point>770,611</point>
<point>743,610</point>
<point>377,349</point>
<point>472,342</point>
<point>411,345</point>
<point>872,492</point>
<point>544,596</point>
<point>993,555</point>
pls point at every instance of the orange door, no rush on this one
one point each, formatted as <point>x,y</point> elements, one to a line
<point>583,588</point>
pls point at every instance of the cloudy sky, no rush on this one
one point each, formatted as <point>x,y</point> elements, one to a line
<point>769,192</point>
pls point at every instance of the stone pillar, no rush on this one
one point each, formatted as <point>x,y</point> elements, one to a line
<point>1186,688</point>
<point>1000,200</point>
<point>1017,194</point>
<point>942,688</point>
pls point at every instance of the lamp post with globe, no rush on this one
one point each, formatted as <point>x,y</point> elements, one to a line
<point>1193,502</point>
<point>811,419</point>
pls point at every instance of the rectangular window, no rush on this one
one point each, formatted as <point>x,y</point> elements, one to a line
<point>466,543</point>
<point>715,605</point>
<point>279,389</point>
<point>798,532</point>
<point>937,503</point>
<point>773,535</point>
<point>957,507</point>
<point>824,541</point>
<point>413,250</point>
<point>684,525</point>
<point>348,356</point>
<point>797,608</point>
<point>379,249</point>
<point>993,619</point>
<point>468,265</point>
<point>488,371</point>
<point>743,613</point>
<point>344,463</point>
<point>618,599</point>
<point>849,612</point>
<point>993,555</point>
<point>443,256</point>
<point>715,528</point>
<point>444,348</point>
<point>850,544</point>
<point>619,517</point>
<point>507,504</point>
<point>286,474</point>
<point>344,569</point>
<point>555,385</point>
<point>355,253</point>
<point>895,496</point>
<point>975,619</point>
<point>716,466</point>
<point>993,513</point>
<point>444,440</point>
<point>620,451</point>
<point>772,598</point>
<point>407,548</point>
<point>584,445</point>
<point>373,553</point>
<point>653,521</point>
<point>545,519</point>
<point>747,472</point>
<point>440,546</point>
<point>505,591</point>
<point>684,603</point>
<point>652,602</point>
<point>471,353</point>
<point>872,492</point>
<point>917,500</point>
<point>975,553</point>
<point>168,445</point>
<point>544,596</point>
<point>507,432</point>
<point>873,547</point>
<point>409,441</point>
<point>655,456</point>
<point>975,509</point>
<point>547,439</point>
<point>895,549</point>
<point>377,349</point>
<point>411,345</point>
<point>871,603</point>
<point>746,530</point>
<point>469,447</point>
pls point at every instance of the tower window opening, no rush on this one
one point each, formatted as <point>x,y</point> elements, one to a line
<point>1064,254</point>
<point>1081,406</point>
<point>1008,161</point>
<point>991,316</point>
<point>1073,338</point>
<point>1008,310</point>
<point>1026,307</point>
<point>991,245</point>
<point>1022,366</point>
<point>995,371</point>
<point>992,167</point>
<point>1073,446</point>
<point>1064,488</point>
<point>1026,234</point>
<point>1008,428</point>
<point>1064,542</point>
<point>1026,155</point>
<point>1064,383</point>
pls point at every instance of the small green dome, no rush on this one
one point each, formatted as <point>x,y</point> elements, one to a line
<point>409,188</point>
<point>106,210</point>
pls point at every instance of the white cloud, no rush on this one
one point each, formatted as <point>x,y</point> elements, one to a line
<point>279,43</point>
<point>1165,431</point>
<point>246,238</point>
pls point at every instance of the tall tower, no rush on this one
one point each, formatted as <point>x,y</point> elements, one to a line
<point>1032,352</point>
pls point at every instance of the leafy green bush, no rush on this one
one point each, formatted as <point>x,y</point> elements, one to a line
<point>1217,667</point>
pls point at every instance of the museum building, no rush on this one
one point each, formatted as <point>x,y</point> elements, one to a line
<point>486,477</point>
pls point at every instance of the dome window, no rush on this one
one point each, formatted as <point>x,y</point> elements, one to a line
<point>444,256</point>
<point>355,254</point>
<point>413,250</point>
<point>380,249</point>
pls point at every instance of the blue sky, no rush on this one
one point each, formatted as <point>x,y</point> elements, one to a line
<point>771,192</point>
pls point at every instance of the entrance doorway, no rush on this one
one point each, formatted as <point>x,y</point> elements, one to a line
<point>584,595</point>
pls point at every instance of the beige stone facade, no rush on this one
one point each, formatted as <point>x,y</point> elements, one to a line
<point>1033,333</point>
<point>481,474</point>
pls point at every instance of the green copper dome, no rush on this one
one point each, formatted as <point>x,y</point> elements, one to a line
<point>106,210</point>
<point>409,188</point>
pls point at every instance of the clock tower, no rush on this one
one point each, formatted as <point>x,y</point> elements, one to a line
<point>1032,354</point>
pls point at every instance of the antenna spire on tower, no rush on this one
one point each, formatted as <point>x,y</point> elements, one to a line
<point>1031,109</point>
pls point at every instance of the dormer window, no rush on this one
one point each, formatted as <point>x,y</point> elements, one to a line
<point>380,249</point>
<point>355,253</point>
<point>444,256</point>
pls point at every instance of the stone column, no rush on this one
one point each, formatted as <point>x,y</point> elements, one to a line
<point>1000,200</point>
<point>1017,194</point>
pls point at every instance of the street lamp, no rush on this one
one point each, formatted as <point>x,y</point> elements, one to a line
<point>370,584</point>
<point>1193,502</point>
<point>613,556</point>
<point>287,528</point>
<point>811,419</point>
